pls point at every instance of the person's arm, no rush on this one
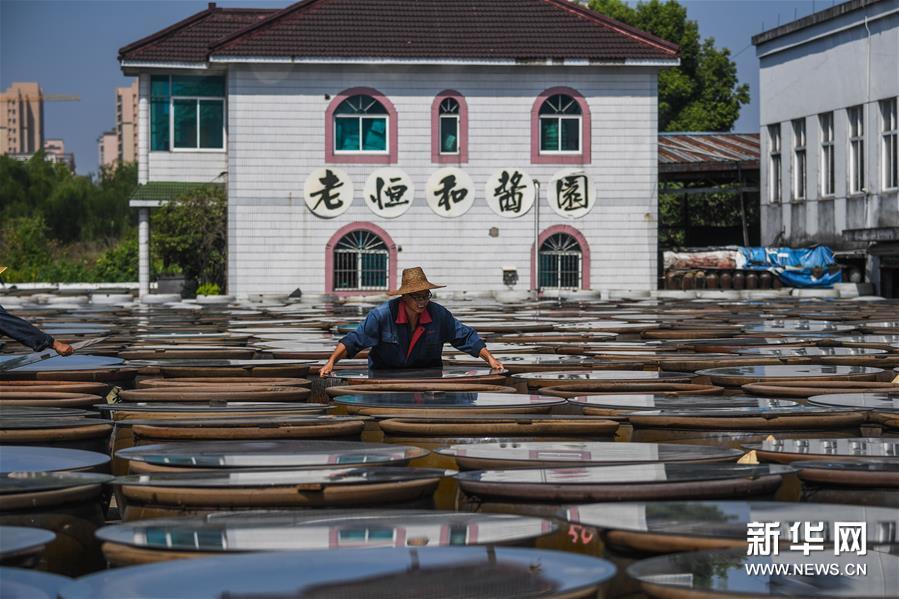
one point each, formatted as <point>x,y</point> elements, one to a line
<point>490,359</point>
<point>464,338</point>
<point>29,335</point>
<point>365,335</point>
<point>339,353</point>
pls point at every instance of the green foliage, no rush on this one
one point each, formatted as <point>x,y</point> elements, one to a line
<point>209,289</point>
<point>31,256</point>
<point>119,263</point>
<point>53,223</point>
<point>191,232</point>
<point>703,93</point>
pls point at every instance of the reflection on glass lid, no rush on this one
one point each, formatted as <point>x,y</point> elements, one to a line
<point>430,399</point>
<point>18,539</point>
<point>30,584</point>
<point>668,402</point>
<point>447,372</point>
<point>281,477</point>
<point>326,529</point>
<point>725,572</point>
<point>872,465</point>
<point>789,371</point>
<point>607,375</point>
<point>24,482</point>
<point>729,519</point>
<point>60,363</point>
<point>216,363</point>
<point>811,351</point>
<point>277,453</point>
<point>855,447</point>
<point>624,474</point>
<point>501,572</point>
<point>888,402</point>
<point>214,406</point>
<point>20,458</point>
<point>589,452</point>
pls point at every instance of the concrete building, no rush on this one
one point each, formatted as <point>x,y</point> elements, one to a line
<point>503,146</point>
<point>55,152</point>
<point>828,88</point>
<point>21,119</point>
<point>126,122</point>
<point>108,148</point>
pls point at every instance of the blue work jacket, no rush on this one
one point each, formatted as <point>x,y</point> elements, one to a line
<point>23,332</point>
<point>390,340</point>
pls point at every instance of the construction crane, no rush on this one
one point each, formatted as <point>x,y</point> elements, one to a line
<point>44,97</point>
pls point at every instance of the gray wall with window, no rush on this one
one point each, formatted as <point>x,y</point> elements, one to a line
<point>830,89</point>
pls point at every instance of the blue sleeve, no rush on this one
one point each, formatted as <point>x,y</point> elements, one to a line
<point>464,338</point>
<point>367,334</point>
<point>23,332</point>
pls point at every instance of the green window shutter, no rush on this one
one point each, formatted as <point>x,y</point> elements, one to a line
<point>346,134</point>
<point>189,85</point>
<point>570,135</point>
<point>374,134</point>
<point>185,120</point>
<point>449,135</point>
<point>212,123</point>
<point>159,113</point>
<point>549,135</point>
<point>159,125</point>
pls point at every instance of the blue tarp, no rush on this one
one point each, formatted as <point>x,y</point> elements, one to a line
<point>794,267</point>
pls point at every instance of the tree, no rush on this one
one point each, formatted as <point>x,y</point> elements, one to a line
<point>190,232</point>
<point>703,93</point>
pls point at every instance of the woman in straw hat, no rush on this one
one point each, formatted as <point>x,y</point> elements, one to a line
<point>27,334</point>
<point>409,332</point>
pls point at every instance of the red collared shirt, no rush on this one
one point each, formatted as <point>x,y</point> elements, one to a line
<point>423,319</point>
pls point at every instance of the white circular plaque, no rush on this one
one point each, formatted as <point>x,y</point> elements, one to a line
<point>388,192</point>
<point>510,192</point>
<point>571,193</point>
<point>328,192</point>
<point>450,192</point>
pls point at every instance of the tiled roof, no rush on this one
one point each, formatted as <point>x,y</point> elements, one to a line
<point>707,150</point>
<point>189,40</point>
<point>522,30</point>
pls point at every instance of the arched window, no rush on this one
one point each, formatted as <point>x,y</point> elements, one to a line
<point>360,128</point>
<point>449,128</point>
<point>560,262</point>
<point>560,128</point>
<point>560,125</point>
<point>360,125</point>
<point>361,262</point>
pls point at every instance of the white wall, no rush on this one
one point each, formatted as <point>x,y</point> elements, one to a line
<point>276,138</point>
<point>829,66</point>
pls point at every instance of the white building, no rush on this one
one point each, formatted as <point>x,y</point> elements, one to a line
<point>828,88</point>
<point>360,137</point>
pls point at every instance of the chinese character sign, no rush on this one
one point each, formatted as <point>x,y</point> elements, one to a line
<point>328,192</point>
<point>450,192</point>
<point>571,193</point>
<point>389,192</point>
<point>510,192</point>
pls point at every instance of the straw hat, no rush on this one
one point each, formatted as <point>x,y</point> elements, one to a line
<point>2,268</point>
<point>414,280</point>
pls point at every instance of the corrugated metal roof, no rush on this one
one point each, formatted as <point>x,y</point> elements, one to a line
<point>708,150</point>
<point>164,191</point>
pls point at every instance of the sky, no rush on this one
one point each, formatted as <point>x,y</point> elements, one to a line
<point>70,47</point>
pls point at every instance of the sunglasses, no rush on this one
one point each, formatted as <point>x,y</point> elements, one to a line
<point>420,297</point>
